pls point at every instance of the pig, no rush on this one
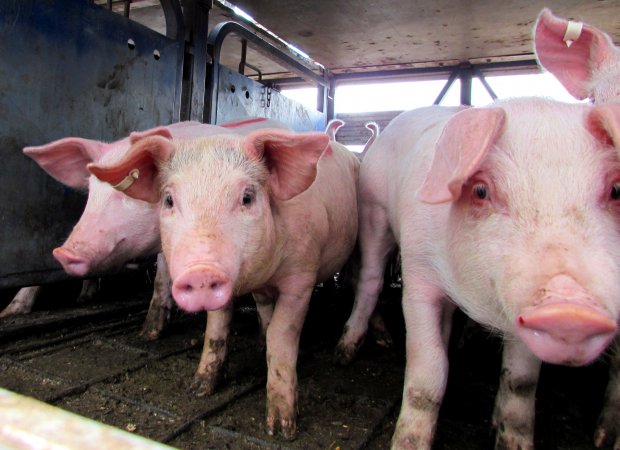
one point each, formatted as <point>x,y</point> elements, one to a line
<point>480,203</point>
<point>115,228</point>
<point>583,58</point>
<point>272,214</point>
<point>587,63</point>
<point>24,300</point>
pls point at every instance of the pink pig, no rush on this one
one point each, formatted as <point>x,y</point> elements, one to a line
<point>510,212</point>
<point>583,58</point>
<point>115,228</point>
<point>272,214</point>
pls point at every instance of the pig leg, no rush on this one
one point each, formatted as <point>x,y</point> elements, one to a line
<point>282,351</point>
<point>90,289</point>
<point>376,243</point>
<point>608,426</point>
<point>22,302</point>
<point>428,321</point>
<point>214,351</point>
<point>161,302</point>
<point>264,307</point>
<point>513,416</point>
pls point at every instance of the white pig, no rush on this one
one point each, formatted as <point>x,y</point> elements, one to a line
<point>510,212</point>
<point>115,228</point>
<point>272,214</point>
<point>587,63</point>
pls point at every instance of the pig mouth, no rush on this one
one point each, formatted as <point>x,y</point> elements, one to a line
<point>566,332</point>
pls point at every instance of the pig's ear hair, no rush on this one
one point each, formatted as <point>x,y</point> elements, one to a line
<point>66,159</point>
<point>159,131</point>
<point>463,144</point>
<point>291,158</point>
<point>574,63</point>
<point>603,122</point>
<point>136,174</point>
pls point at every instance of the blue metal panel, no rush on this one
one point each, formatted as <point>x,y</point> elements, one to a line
<point>69,68</point>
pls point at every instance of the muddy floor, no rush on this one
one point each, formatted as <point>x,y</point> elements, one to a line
<point>90,359</point>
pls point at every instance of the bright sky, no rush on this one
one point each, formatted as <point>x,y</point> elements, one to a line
<point>400,96</point>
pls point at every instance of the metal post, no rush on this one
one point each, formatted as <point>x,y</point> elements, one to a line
<point>446,86</point>
<point>465,75</point>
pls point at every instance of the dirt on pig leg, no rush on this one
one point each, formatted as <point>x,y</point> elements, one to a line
<point>161,304</point>
<point>214,352</point>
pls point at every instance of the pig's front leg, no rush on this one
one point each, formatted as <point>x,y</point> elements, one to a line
<point>90,290</point>
<point>214,351</point>
<point>608,426</point>
<point>513,416</point>
<point>426,371</point>
<point>264,307</point>
<point>161,303</point>
<point>23,301</point>
<point>282,350</point>
<point>376,243</point>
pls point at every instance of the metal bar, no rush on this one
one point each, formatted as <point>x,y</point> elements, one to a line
<point>413,72</point>
<point>446,86</point>
<point>126,8</point>
<point>484,82</point>
<point>197,22</point>
<point>244,54</point>
<point>214,44</point>
<point>174,18</point>
<point>465,75</point>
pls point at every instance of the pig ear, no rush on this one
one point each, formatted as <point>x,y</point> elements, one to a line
<point>66,159</point>
<point>574,63</point>
<point>136,174</point>
<point>463,144</point>
<point>159,131</point>
<point>332,128</point>
<point>291,158</point>
<point>604,124</point>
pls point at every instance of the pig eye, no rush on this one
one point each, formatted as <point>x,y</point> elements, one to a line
<point>481,192</point>
<point>168,203</point>
<point>248,197</point>
<point>615,191</point>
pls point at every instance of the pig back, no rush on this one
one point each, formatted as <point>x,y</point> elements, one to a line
<point>396,164</point>
<point>323,220</point>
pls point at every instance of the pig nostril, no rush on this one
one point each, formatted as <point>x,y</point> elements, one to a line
<point>214,285</point>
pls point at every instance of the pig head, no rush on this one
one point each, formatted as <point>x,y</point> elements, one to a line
<point>534,251</point>
<point>113,228</point>
<point>583,58</point>
<point>216,197</point>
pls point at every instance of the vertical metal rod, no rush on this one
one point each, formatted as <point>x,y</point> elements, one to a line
<point>110,5</point>
<point>127,7</point>
<point>244,52</point>
<point>465,75</point>
<point>446,87</point>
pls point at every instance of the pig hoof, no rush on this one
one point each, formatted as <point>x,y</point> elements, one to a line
<point>287,427</point>
<point>344,354</point>
<point>513,440</point>
<point>150,334</point>
<point>203,385</point>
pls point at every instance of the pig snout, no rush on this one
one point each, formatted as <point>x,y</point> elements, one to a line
<point>202,287</point>
<point>567,325</point>
<point>72,264</point>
